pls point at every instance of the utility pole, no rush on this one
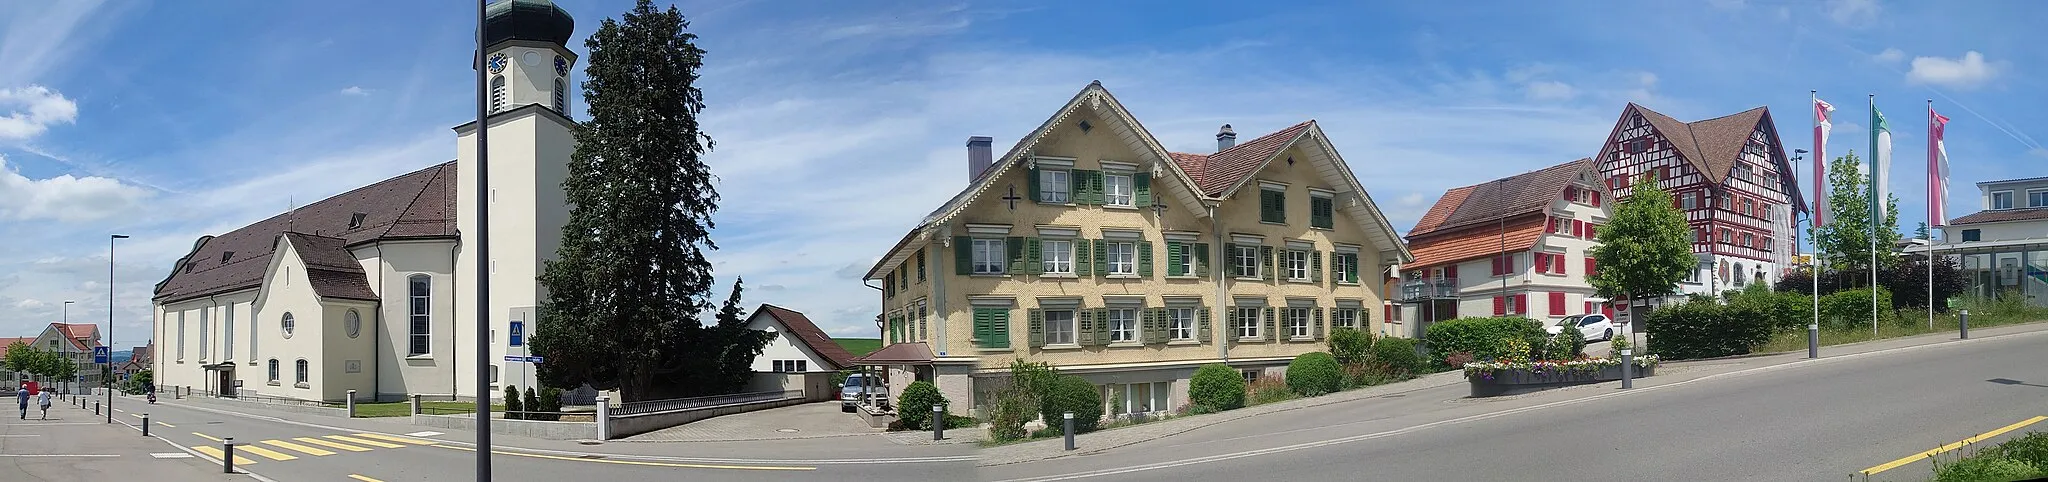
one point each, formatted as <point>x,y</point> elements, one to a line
<point>110,320</point>
<point>482,257</point>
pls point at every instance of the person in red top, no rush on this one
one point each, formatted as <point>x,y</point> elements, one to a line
<point>33,387</point>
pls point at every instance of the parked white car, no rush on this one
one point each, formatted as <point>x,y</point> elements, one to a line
<point>863,389</point>
<point>1593,326</point>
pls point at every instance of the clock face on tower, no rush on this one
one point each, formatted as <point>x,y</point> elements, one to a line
<point>561,66</point>
<point>497,63</point>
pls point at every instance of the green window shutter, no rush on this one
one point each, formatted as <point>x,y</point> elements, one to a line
<point>1144,259</point>
<point>1269,258</point>
<point>1141,189</point>
<point>1229,260</point>
<point>1083,263</point>
<point>1351,269</point>
<point>999,327</point>
<point>1271,328</point>
<point>1101,326</point>
<point>963,255</point>
<point>1316,323</point>
<point>1202,259</point>
<point>981,325</point>
<point>1146,318</point>
<point>1036,196</point>
<point>902,281</point>
<point>1319,212</point>
<point>1315,266</point>
<point>1279,206</point>
<point>1095,187</point>
<point>1174,251</point>
<point>1084,327</point>
<point>1034,261</point>
<point>1015,250</point>
<point>888,285</point>
<point>1202,325</point>
<point>1265,206</point>
<point>920,265</point>
<point>1037,322</point>
<point>1101,258</point>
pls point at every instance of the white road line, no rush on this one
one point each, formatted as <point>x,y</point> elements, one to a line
<point>172,455</point>
<point>193,453</point>
<point>422,434</point>
<point>57,455</point>
<point>22,435</point>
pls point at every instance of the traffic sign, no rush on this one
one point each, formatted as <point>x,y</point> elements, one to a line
<point>514,358</point>
<point>101,354</point>
<point>518,333</point>
<point>533,359</point>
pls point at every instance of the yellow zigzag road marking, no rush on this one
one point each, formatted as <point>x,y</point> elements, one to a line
<point>396,439</point>
<point>636,462</point>
<point>216,453</point>
<point>358,441</point>
<point>1930,453</point>
<point>332,445</point>
<point>299,448</point>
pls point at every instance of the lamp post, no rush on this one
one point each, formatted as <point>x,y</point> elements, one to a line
<point>1812,265</point>
<point>110,319</point>
<point>483,255</point>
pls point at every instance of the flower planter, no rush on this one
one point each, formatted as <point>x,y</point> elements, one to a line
<point>1511,381</point>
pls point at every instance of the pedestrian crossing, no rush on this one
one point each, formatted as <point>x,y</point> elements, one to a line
<point>277,450</point>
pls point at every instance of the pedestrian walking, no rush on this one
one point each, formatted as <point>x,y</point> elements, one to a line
<point>44,401</point>
<point>21,394</point>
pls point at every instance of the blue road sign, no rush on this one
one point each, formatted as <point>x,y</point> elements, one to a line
<point>518,333</point>
<point>533,359</point>
<point>514,358</point>
<point>100,354</point>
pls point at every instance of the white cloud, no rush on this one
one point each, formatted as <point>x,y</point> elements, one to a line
<point>1890,55</point>
<point>27,112</point>
<point>1854,12</point>
<point>1550,90</point>
<point>355,90</point>
<point>1968,71</point>
<point>64,198</point>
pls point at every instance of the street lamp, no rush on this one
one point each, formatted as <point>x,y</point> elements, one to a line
<point>110,320</point>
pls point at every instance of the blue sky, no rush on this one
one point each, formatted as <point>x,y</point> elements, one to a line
<point>839,124</point>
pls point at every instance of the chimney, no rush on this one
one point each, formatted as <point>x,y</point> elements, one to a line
<point>1225,138</point>
<point>978,156</point>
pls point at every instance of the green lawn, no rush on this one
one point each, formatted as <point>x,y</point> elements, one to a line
<point>859,346</point>
<point>401,409</point>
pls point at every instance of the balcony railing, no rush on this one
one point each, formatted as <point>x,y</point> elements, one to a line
<point>1423,289</point>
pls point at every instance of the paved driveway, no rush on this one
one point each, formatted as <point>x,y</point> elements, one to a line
<point>810,420</point>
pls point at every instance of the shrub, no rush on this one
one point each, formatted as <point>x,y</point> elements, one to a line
<point>1567,344</point>
<point>1216,387</point>
<point>1512,350</point>
<point>1359,376</point>
<point>1976,469</point>
<point>1396,356</point>
<point>1008,413</point>
<point>1314,373</point>
<point>1705,329</point>
<point>1783,311</point>
<point>1072,394</point>
<point>914,407</point>
<point>1851,309</point>
<point>1457,360</point>
<point>512,406</point>
<point>1350,346</point>
<point>532,404</point>
<point>1479,336</point>
<point>1266,390</point>
<point>550,404</point>
<point>2032,449</point>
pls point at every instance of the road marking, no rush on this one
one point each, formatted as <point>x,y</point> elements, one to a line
<point>266,453</point>
<point>172,455</point>
<point>635,462</point>
<point>396,439</point>
<point>358,441</point>
<point>208,437</point>
<point>333,445</point>
<point>423,434</point>
<point>299,448</point>
<point>1930,453</point>
<point>217,454</point>
<point>167,425</point>
<point>22,435</point>
<point>362,478</point>
<point>57,455</point>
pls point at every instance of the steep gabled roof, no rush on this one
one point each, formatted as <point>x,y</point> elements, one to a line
<point>1713,146</point>
<point>1487,202</point>
<point>809,334</point>
<point>331,271</point>
<point>419,204</point>
<point>1217,173</point>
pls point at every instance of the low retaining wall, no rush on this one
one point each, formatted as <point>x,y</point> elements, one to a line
<point>282,407</point>
<point>524,428</point>
<point>639,423</point>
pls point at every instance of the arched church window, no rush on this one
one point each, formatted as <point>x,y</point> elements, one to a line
<point>562,96</point>
<point>497,93</point>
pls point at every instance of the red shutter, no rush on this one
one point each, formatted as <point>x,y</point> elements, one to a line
<point>1579,228</point>
<point>1556,303</point>
<point>1497,268</point>
<point>1571,193</point>
<point>1558,265</point>
<point>1389,316</point>
<point>1542,263</point>
<point>1596,199</point>
<point>1452,271</point>
<point>1522,303</point>
<point>1589,266</point>
<point>1589,307</point>
<point>1500,306</point>
<point>1590,234</point>
<point>1608,310</point>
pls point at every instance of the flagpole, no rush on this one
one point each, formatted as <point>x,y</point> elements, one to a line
<point>1813,264</point>
<point>1930,203</point>
<point>1875,216</point>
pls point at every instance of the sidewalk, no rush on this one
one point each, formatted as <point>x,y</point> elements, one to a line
<point>1451,399</point>
<point>76,445</point>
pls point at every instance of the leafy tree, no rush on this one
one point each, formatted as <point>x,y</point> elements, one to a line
<point>48,365</point>
<point>1845,240</point>
<point>1922,232</point>
<point>631,281</point>
<point>1645,249</point>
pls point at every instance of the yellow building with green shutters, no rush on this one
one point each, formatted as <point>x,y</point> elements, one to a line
<point>1089,246</point>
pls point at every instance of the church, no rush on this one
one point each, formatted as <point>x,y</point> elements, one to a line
<point>372,291</point>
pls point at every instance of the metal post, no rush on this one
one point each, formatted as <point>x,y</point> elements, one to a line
<point>415,404</point>
<point>351,404</point>
<point>483,257</point>
<point>1813,340</point>
<point>1070,430</point>
<point>938,422</point>
<point>145,425</point>
<point>1964,320</point>
<point>110,322</point>
<point>604,418</point>
<point>227,460</point>
<point>96,408</point>
<point>1628,366</point>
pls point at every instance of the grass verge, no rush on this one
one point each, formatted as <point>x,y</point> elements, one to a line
<point>402,409</point>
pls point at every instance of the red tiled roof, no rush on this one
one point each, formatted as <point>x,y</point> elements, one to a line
<point>76,333</point>
<point>1487,202</point>
<point>7,342</point>
<point>1713,146</point>
<point>419,204</point>
<point>1215,173</point>
<point>1477,241</point>
<point>2002,215</point>
<point>809,334</point>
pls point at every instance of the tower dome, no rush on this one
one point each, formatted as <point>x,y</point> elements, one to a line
<point>538,20</point>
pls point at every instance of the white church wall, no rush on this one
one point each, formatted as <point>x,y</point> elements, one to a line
<point>348,358</point>
<point>286,291</point>
<point>397,372</point>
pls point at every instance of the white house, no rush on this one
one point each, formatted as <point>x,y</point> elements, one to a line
<point>801,357</point>
<point>1518,245</point>
<point>2004,247</point>
<point>374,290</point>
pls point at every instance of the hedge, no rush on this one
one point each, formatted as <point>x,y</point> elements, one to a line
<point>1783,311</point>
<point>1851,309</point>
<point>1072,394</point>
<point>1350,346</point>
<point>1216,387</point>
<point>1702,328</point>
<point>1314,373</point>
<point>1396,356</point>
<point>1479,336</point>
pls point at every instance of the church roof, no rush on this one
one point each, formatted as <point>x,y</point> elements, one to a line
<point>417,205</point>
<point>527,20</point>
<point>330,269</point>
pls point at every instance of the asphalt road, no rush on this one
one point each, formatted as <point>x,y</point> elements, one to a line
<point>1819,420</point>
<point>284,450</point>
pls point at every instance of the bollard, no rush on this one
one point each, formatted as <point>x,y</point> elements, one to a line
<point>227,461</point>
<point>604,418</point>
<point>1813,340</point>
<point>145,425</point>
<point>938,422</point>
<point>351,404</point>
<point>1964,319</point>
<point>415,404</point>
<point>95,408</point>
<point>1070,430</point>
<point>1628,366</point>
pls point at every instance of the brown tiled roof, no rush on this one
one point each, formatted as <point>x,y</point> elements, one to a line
<point>1488,201</point>
<point>1216,173</point>
<point>1477,241</point>
<point>1712,146</point>
<point>76,333</point>
<point>2002,215</point>
<point>330,269</point>
<point>809,334</point>
<point>7,342</point>
<point>420,204</point>
<point>898,354</point>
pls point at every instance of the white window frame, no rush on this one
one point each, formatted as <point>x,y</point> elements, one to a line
<point>1187,259</point>
<point>1055,186</point>
<point>1342,261</point>
<point>304,373</point>
<point>989,255</point>
<point>419,315</point>
<point>1297,265</point>
<point>1158,398</point>
<point>1248,321</point>
<point>499,96</point>
<point>2008,199</point>
<point>1123,324</point>
<point>1118,190</point>
<point>275,371</point>
<point>1248,270</point>
<point>227,333</point>
<point>2043,198</point>
<point>1123,258</point>
<point>1059,256</point>
<point>1180,323</point>
<point>288,325</point>
<point>1064,334</point>
<point>1346,317</point>
<point>181,336</point>
<point>1512,303</point>
<point>1298,322</point>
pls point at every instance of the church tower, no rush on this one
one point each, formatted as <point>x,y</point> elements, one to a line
<point>526,54</point>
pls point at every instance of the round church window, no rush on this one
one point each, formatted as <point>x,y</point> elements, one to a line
<point>353,323</point>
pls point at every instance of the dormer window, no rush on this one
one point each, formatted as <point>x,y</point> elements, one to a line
<point>188,267</point>
<point>356,220</point>
<point>2001,200</point>
<point>225,256</point>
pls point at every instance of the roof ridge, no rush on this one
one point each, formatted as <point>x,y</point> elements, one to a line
<point>1744,111</point>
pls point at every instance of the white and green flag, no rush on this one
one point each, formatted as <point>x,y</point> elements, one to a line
<point>1880,164</point>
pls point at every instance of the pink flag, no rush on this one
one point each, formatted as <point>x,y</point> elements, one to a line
<point>1821,126</point>
<point>1937,168</point>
